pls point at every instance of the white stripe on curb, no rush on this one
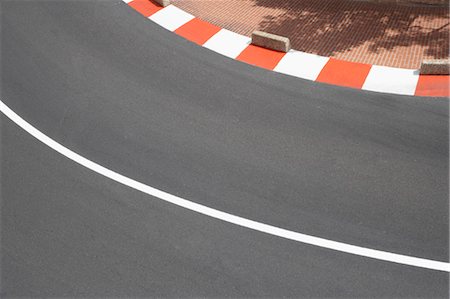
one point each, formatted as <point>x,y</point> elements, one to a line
<point>171,17</point>
<point>228,43</point>
<point>301,64</point>
<point>254,225</point>
<point>391,80</point>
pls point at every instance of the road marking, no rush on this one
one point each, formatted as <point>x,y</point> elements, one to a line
<point>251,224</point>
<point>392,80</point>
<point>261,57</point>
<point>344,73</point>
<point>144,7</point>
<point>197,31</point>
<point>171,17</point>
<point>228,43</point>
<point>302,65</point>
<point>433,86</point>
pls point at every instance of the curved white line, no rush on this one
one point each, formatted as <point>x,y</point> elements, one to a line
<point>258,226</point>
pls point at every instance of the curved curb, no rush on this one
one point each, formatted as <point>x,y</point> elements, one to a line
<point>295,63</point>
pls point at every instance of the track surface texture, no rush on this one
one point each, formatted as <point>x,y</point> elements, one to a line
<point>362,168</point>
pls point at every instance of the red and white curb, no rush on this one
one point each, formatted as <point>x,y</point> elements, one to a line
<point>295,63</point>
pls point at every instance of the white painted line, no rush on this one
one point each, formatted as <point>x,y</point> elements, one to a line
<point>171,17</point>
<point>391,80</point>
<point>258,226</point>
<point>127,1</point>
<point>228,43</point>
<point>302,65</point>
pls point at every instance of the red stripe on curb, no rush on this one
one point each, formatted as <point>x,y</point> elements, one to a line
<point>434,86</point>
<point>197,31</point>
<point>344,73</point>
<point>261,57</point>
<point>145,7</point>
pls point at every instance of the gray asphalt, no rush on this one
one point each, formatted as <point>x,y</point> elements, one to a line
<point>358,167</point>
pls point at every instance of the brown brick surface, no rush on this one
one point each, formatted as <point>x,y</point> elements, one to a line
<point>375,33</point>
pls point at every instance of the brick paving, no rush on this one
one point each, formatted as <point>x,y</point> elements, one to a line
<point>374,33</point>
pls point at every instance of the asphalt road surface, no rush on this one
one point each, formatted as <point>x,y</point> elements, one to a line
<point>356,167</point>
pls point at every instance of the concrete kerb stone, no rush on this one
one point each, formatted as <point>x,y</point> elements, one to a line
<point>435,67</point>
<point>271,41</point>
<point>163,3</point>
